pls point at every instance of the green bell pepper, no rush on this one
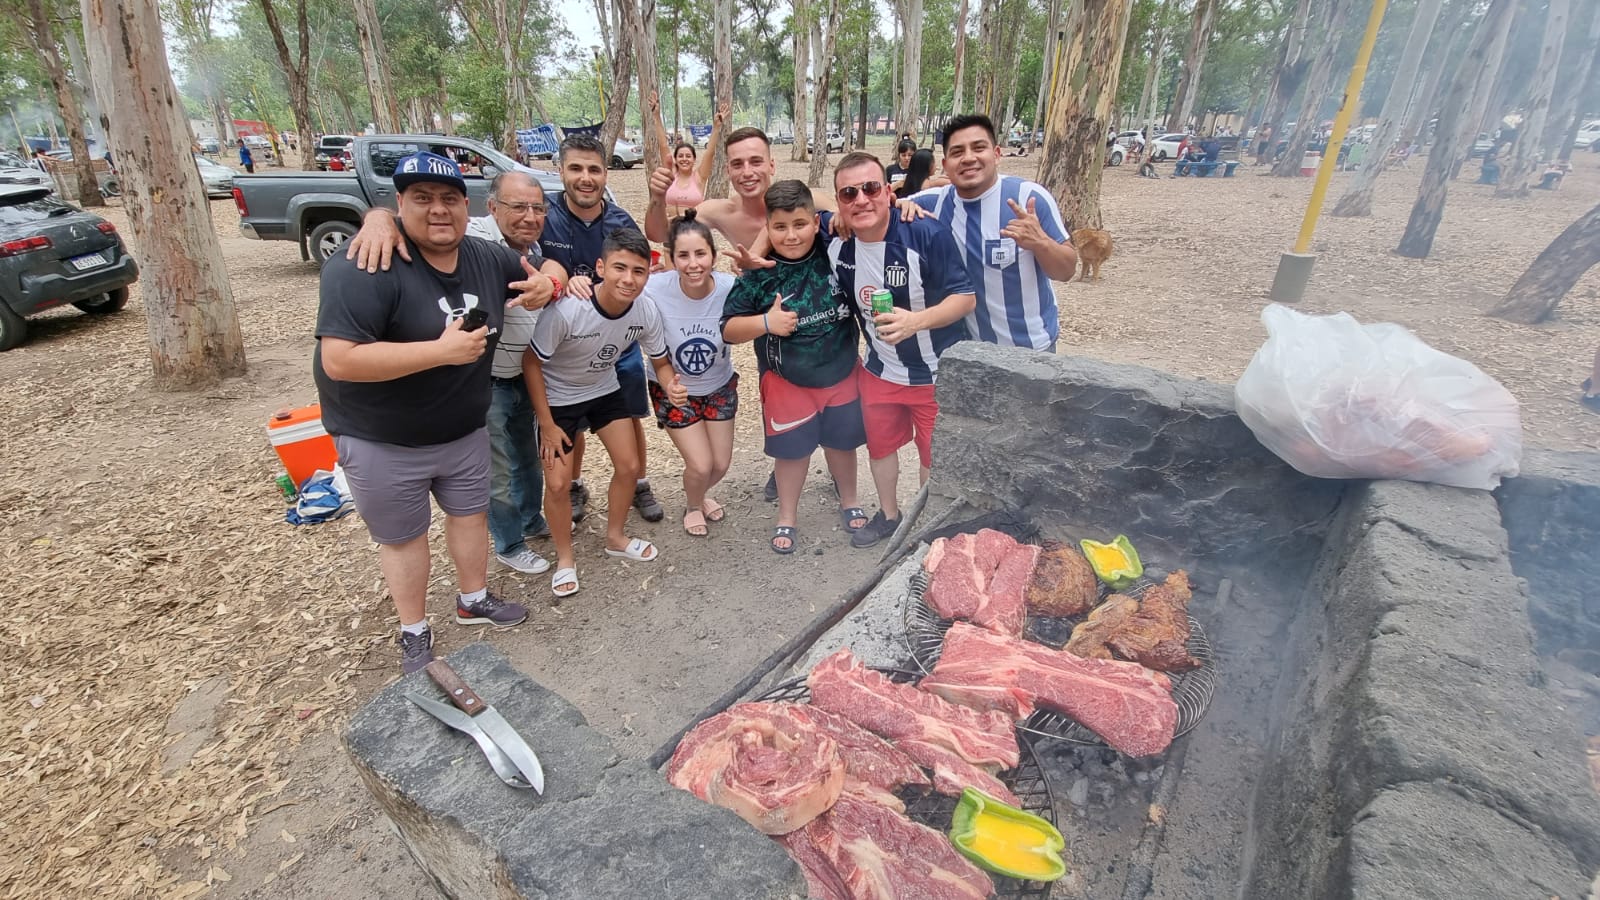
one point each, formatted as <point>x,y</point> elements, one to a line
<point>1117,563</point>
<point>1005,840</point>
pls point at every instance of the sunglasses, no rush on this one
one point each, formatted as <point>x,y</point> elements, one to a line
<point>849,193</point>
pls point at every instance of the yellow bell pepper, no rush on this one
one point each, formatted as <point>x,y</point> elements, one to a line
<point>1117,563</point>
<point>1005,840</point>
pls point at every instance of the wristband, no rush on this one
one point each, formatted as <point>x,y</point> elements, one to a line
<point>765,328</point>
<point>556,287</point>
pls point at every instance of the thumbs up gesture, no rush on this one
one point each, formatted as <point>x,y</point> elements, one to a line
<point>781,322</point>
<point>676,392</point>
<point>534,291</point>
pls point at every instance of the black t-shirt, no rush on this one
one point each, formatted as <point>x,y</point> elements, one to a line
<point>823,349</point>
<point>409,303</point>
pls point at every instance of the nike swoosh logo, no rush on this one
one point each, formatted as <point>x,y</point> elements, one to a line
<point>781,427</point>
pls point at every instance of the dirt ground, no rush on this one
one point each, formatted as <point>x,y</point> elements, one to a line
<point>177,662</point>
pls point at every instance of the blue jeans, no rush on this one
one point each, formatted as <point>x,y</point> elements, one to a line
<point>516,481</point>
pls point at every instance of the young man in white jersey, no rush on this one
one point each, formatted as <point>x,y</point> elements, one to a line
<point>1009,234</point>
<point>916,264</point>
<point>572,378</point>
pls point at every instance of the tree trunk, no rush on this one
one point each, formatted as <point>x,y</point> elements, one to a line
<point>1052,25</point>
<point>1421,108</point>
<point>1194,60</point>
<point>375,66</point>
<point>447,122</point>
<point>1474,75</point>
<point>294,73</point>
<point>621,87</point>
<point>1290,72</point>
<point>1318,83</point>
<point>42,31</point>
<point>801,32</point>
<point>1553,273</point>
<point>1080,104</point>
<point>640,16</point>
<point>194,328</point>
<point>78,68</point>
<point>1152,70</point>
<point>911,85</point>
<point>1357,201</point>
<point>603,18</point>
<point>861,119</point>
<point>1481,102</point>
<point>1530,150</point>
<point>1565,112</point>
<point>722,36</point>
<point>961,55</point>
<point>677,68</point>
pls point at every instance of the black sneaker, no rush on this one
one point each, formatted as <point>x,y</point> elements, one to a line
<point>416,650</point>
<point>491,610</point>
<point>771,490</point>
<point>580,500</point>
<point>876,529</point>
<point>644,500</point>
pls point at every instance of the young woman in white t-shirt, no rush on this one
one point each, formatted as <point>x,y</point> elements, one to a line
<point>689,297</point>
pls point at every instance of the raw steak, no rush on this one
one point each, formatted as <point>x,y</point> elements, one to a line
<point>962,746</point>
<point>981,578</point>
<point>868,758</point>
<point>769,762</point>
<point>1063,582</point>
<point>1128,705</point>
<point>860,850</point>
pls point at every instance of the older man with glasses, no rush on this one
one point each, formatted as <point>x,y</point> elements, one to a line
<point>516,482</point>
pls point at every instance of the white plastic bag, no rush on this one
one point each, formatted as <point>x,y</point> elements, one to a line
<point>1338,399</point>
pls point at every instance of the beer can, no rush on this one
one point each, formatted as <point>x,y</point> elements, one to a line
<point>882,302</point>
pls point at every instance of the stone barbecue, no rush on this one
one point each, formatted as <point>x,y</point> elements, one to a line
<point>1406,676</point>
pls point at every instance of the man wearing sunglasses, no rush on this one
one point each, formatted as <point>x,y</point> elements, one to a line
<point>930,294</point>
<point>516,219</point>
<point>1009,235</point>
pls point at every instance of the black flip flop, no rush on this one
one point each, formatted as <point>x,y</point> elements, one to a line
<point>853,512</point>
<point>785,531</point>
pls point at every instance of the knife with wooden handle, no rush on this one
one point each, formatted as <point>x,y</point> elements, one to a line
<point>489,719</point>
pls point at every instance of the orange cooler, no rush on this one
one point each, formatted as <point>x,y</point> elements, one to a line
<point>301,442</point>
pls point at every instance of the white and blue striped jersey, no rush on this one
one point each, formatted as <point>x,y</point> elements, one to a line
<point>916,262</point>
<point>1016,304</point>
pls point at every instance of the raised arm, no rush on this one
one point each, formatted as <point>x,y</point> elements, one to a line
<point>708,158</point>
<point>654,103</point>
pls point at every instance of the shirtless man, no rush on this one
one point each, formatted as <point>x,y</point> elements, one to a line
<point>741,218</point>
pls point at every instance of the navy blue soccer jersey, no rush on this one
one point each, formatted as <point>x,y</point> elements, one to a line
<point>916,262</point>
<point>574,243</point>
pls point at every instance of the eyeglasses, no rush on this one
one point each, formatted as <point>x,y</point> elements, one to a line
<point>850,192</point>
<point>521,209</point>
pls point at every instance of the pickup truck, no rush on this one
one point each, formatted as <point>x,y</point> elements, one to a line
<point>323,210</point>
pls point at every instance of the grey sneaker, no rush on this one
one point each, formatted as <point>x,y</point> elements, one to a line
<point>491,610</point>
<point>876,529</point>
<point>416,651</point>
<point>644,500</point>
<point>525,561</point>
<point>580,501</point>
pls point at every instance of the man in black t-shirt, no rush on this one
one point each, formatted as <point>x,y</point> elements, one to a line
<point>402,366</point>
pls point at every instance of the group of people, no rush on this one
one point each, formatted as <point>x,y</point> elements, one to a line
<point>428,388</point>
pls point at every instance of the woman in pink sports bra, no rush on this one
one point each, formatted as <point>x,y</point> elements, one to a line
<point>688,179</point>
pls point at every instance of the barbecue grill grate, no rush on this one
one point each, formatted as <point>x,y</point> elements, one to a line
<point>1192,691</point>
<point>1027,781</point>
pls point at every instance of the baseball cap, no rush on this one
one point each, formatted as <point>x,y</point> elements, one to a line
<point>425,166</point>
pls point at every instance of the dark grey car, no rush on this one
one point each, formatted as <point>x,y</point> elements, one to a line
<point>52,254</point>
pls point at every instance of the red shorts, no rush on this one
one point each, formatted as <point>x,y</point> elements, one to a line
<point>799,419</point>
<point>897,414</point>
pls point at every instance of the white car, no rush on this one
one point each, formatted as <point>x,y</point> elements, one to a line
<point>16,170</point>
<point>835,142</point>
<point>218,178</point>
<point>625,154</point>
<point>1588,136</point>
<point>1165,146</point>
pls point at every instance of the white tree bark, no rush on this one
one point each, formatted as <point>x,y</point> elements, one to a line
<point>375,66</point>
<point>961,54</point>
<point>819,159</point>
<point>193,325</point>
<point>722,36</point>
<point>1529,151</point>
<point>1205,16</point>
<point>911,65</point>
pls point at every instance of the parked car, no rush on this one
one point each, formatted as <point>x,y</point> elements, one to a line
<point>52,254</point>
<point>783,139</point>
<point>625,154</point>
<point>16,170</point>
<point>218,178</point>
<point>209,145</point>
<point>1165,146</point>
<point>329,146</point>
<point>260,147</point>
<point>1588,136</point>
<point>835,142</point>
<point>1482,146</point>
<point>1116,154</point>
<point>1020,139</point>
<point>322,210</point>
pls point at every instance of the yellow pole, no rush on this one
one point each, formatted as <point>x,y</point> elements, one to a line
<point>1341,122</point>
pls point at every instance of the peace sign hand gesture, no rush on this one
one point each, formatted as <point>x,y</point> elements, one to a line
<point>1025,229</point>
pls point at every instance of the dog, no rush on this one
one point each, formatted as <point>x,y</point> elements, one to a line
<point>1094,247</point>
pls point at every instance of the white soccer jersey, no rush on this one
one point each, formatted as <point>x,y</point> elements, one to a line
<point>579,345</point>
<point>519,322</point>
<point>693,330</point>
<point>1016,303</point>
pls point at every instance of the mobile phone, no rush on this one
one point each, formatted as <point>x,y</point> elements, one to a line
<point>476,318</point>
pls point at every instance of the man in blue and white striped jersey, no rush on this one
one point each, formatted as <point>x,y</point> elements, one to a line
<point>1009,234</point>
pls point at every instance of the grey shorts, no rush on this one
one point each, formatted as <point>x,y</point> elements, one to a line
<point>391,483</point>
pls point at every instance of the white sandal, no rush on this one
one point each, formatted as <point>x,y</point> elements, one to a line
<point>636,551</point>
<point>564,576</point>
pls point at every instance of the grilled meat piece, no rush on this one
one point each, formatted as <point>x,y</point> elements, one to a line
<point>1089,638</point>
<point>1063,582</point>
<point>1156,635</point>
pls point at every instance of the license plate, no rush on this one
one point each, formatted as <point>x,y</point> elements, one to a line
<point>89,261</point>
